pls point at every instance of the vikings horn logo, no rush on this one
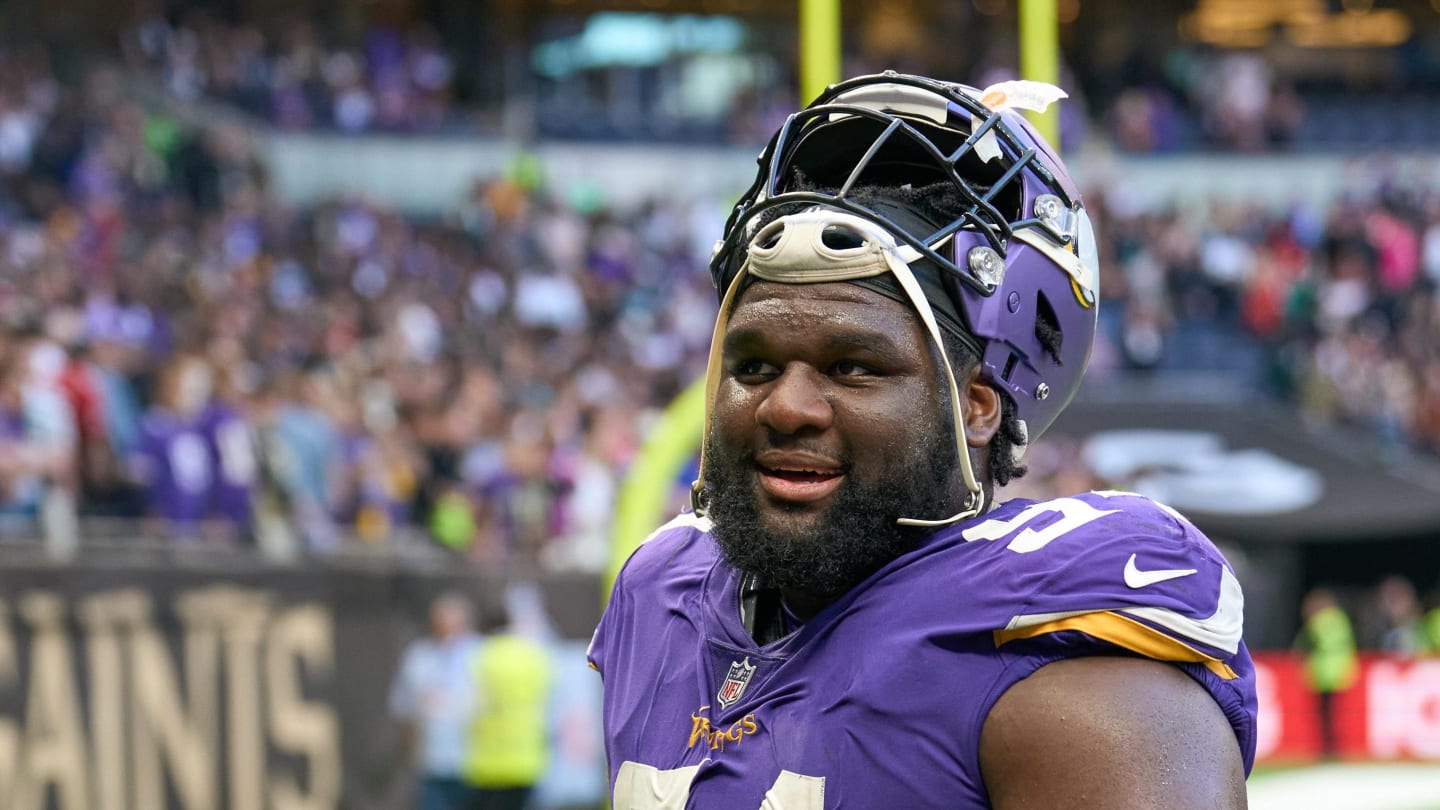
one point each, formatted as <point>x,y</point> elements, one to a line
<point>735,682</point>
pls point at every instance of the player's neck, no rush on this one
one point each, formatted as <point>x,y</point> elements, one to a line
<point>769,613</point>
<point>802,605</point>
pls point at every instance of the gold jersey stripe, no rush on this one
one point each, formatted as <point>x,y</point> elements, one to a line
<point>1124,632</point>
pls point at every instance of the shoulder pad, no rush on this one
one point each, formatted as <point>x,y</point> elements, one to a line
<point>1115,565</point>
<point>673,543</point>
<point>667,569</point>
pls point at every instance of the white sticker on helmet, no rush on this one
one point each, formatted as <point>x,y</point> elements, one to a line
<point>1021,94</point>
<point>1018,94</point>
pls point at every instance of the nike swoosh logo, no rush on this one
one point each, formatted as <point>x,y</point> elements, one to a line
<point>1135,578</point>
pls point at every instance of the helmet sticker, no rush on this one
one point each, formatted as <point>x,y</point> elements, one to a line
<point>1019,94</point>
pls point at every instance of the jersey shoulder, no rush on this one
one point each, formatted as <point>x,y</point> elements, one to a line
<point>1085,529</point>
<point>679,552</point>
<point>1114,564</point>
<point>664,577</point>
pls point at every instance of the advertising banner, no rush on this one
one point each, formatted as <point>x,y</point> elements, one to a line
<point>144,688</point>
<point>1391,712</point>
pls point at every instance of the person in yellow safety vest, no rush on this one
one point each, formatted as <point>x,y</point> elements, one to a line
<point>1328,642</point>
<point>509,745</point>
<point>1430,624</point>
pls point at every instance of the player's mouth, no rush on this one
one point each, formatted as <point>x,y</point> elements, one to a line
<point>798,480</point>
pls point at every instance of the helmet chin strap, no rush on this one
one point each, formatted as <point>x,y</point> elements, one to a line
<point>800,256</point>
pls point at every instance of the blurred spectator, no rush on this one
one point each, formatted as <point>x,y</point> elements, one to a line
<point>1430,624</point>
<point>35,441</point>
<point>432,699</point>
<point>1328,642</point>
<point>231,442</point>
<point>1237,98</point>
<point>109,489</point>
<point>310,451</point>
<point>509,746</point>
<point>1145,119</point>
<point>1400,617</point>
<point>173,461</point>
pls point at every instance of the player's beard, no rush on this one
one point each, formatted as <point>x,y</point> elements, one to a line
<point>854,537</point>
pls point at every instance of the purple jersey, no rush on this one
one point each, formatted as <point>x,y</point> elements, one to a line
<point>231,444</point>
<point>878,701</point>
<point>175,466</point>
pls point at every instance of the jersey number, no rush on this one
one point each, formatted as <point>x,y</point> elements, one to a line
<point>1073,513</point>
<point>189,463</point>
<point>643,787</point>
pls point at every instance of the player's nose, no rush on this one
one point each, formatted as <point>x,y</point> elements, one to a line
<point>796,402</point>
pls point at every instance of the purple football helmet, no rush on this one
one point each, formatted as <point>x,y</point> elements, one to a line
<point>1017,257</point>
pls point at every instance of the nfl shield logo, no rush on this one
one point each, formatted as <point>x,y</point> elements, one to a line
<point>735,682</point>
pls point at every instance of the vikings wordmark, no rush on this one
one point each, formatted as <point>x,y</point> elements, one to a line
<point>715,738</point>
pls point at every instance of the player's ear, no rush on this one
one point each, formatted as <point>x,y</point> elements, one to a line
<point>983,410</point>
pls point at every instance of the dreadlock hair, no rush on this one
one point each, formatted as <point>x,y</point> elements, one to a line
<point>937,202</point>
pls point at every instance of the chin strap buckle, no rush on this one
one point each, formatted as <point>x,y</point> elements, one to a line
<point>698,502</point>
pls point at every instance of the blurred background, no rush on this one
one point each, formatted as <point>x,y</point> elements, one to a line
<point>314,311</point>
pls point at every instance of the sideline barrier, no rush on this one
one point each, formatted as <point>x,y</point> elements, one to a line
<point>1392,712</point>
<point>239,686</point>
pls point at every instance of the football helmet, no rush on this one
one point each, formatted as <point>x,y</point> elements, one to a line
<point>1011,271</point>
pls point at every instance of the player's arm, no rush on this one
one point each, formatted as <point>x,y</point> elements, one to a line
<point>1117,733</point>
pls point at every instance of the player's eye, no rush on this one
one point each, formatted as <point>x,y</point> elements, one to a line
<point>850,368</point>
<point>749,370</point>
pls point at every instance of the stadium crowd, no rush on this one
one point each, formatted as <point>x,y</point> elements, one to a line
<point>177,345</point>
<point>180,346</point>
<point>287,74</point>
<point>394,80</point>
<point>297,75</point>
<point>1337,305</point>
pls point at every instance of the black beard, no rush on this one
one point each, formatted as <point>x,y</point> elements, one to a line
<point>856,535</point>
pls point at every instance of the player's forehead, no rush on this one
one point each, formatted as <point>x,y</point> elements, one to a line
<point>808,309</point>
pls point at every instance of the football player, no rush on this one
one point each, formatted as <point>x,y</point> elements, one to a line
<point>846,619</point>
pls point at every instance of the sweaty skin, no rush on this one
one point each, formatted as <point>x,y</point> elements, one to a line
<point>1117,733</point>
<point>829,386</point>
